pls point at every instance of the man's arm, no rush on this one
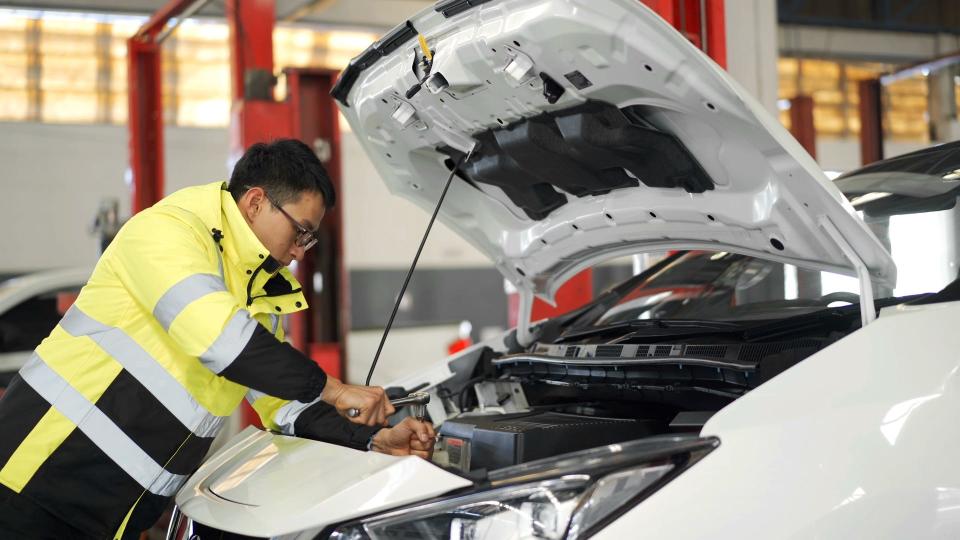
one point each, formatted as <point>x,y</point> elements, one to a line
<point>313,420</point>
<point>182,287</point>
<point>319,421</point>
<point>322,423</point>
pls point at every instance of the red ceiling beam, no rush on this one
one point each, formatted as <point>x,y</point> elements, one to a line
<point>156,23</point>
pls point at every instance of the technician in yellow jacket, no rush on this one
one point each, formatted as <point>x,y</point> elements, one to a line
<point>179,322</point>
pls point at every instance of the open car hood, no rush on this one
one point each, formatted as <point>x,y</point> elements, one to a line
<point>262,484</point>
<point>596,130</point>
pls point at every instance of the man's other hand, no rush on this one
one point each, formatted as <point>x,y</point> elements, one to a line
<point>370,401</point>
<point>409,437</point>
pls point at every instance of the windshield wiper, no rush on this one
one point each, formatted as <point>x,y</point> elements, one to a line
<point>674,327</point>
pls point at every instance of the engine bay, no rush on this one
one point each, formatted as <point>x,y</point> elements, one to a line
<point>512,406</point>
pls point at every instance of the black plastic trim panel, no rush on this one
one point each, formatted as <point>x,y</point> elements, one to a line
<point>449,8</point>
<point>386,45</point>
<point>589,149</point>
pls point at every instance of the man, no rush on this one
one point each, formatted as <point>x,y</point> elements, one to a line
<point>179,322</point>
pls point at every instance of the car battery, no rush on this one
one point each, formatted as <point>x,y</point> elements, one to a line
<point>495,441</point>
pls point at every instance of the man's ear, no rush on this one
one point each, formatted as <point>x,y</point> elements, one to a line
<point>250,203</point>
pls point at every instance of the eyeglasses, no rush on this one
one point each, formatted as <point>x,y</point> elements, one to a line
<point>306,238</point>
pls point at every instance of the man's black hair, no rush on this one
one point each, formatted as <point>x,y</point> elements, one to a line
<point>285,169</point>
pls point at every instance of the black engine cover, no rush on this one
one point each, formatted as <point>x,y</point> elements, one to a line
<point>492,442</point>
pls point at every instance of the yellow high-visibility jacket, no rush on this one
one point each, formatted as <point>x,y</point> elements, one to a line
<point>179,322</point>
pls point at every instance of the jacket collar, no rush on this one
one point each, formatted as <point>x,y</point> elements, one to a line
<point>268,279</point>
<point>269,287</point>
<point>241,244</point>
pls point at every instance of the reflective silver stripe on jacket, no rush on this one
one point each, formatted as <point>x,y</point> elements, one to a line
<point>274,322</point>
<point>150,373</point>
<point>231,341</point>
<point>235,334</point>
<point>100,429</point>
<point>184,293</point>
<point>285,416</point>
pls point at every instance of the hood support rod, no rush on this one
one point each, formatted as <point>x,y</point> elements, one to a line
<point>868,311</point>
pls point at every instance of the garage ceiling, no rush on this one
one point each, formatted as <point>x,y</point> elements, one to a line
<point>379,14</point>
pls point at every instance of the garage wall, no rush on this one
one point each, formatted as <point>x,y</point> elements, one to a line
<point>844,154</point>
<point>833,42</point>
<point>383,231</point>
<point>54,176</point>
<point>752,48</point>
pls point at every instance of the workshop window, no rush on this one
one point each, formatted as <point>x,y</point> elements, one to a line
<point>905,109</point>
<point>835,91</point>
<point>197,66</point>
<point>300,47</point>
<point>15,56</point>
<point>72,67</point>
<point>294,47</point>
<point>68,66</point>
<point>13,69</point>
<point>116,99</point>
<point>340,47</point>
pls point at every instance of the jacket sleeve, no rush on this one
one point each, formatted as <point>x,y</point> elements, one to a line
<point>170,265</point>
<point>314,420</point>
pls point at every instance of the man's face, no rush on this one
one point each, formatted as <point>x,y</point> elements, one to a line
<point>275,230</point>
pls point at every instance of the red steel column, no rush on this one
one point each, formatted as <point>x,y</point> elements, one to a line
<point>255,116</point>
<point>871,121</point>
<point>667,9</point>
<point>145,122</point>
<point>705,28</point>
<point>322,330</point>
<point>801,123</point>
<point>251,43</point>
<point>716,32</point>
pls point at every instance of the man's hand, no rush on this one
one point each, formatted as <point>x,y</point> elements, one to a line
<point>370,401</point>
<point>409,437</point>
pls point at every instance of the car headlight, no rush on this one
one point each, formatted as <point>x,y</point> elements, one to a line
<point>566,497</point>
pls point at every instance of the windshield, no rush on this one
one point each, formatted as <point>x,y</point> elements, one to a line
<point>909,203</point>
<point>727,286</point>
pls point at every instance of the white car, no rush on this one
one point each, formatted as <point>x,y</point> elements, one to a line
<point>29,312</point>
<point>741,388</point>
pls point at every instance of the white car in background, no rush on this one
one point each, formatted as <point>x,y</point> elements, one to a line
<point>28,312</point>
<point>743,387</point>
